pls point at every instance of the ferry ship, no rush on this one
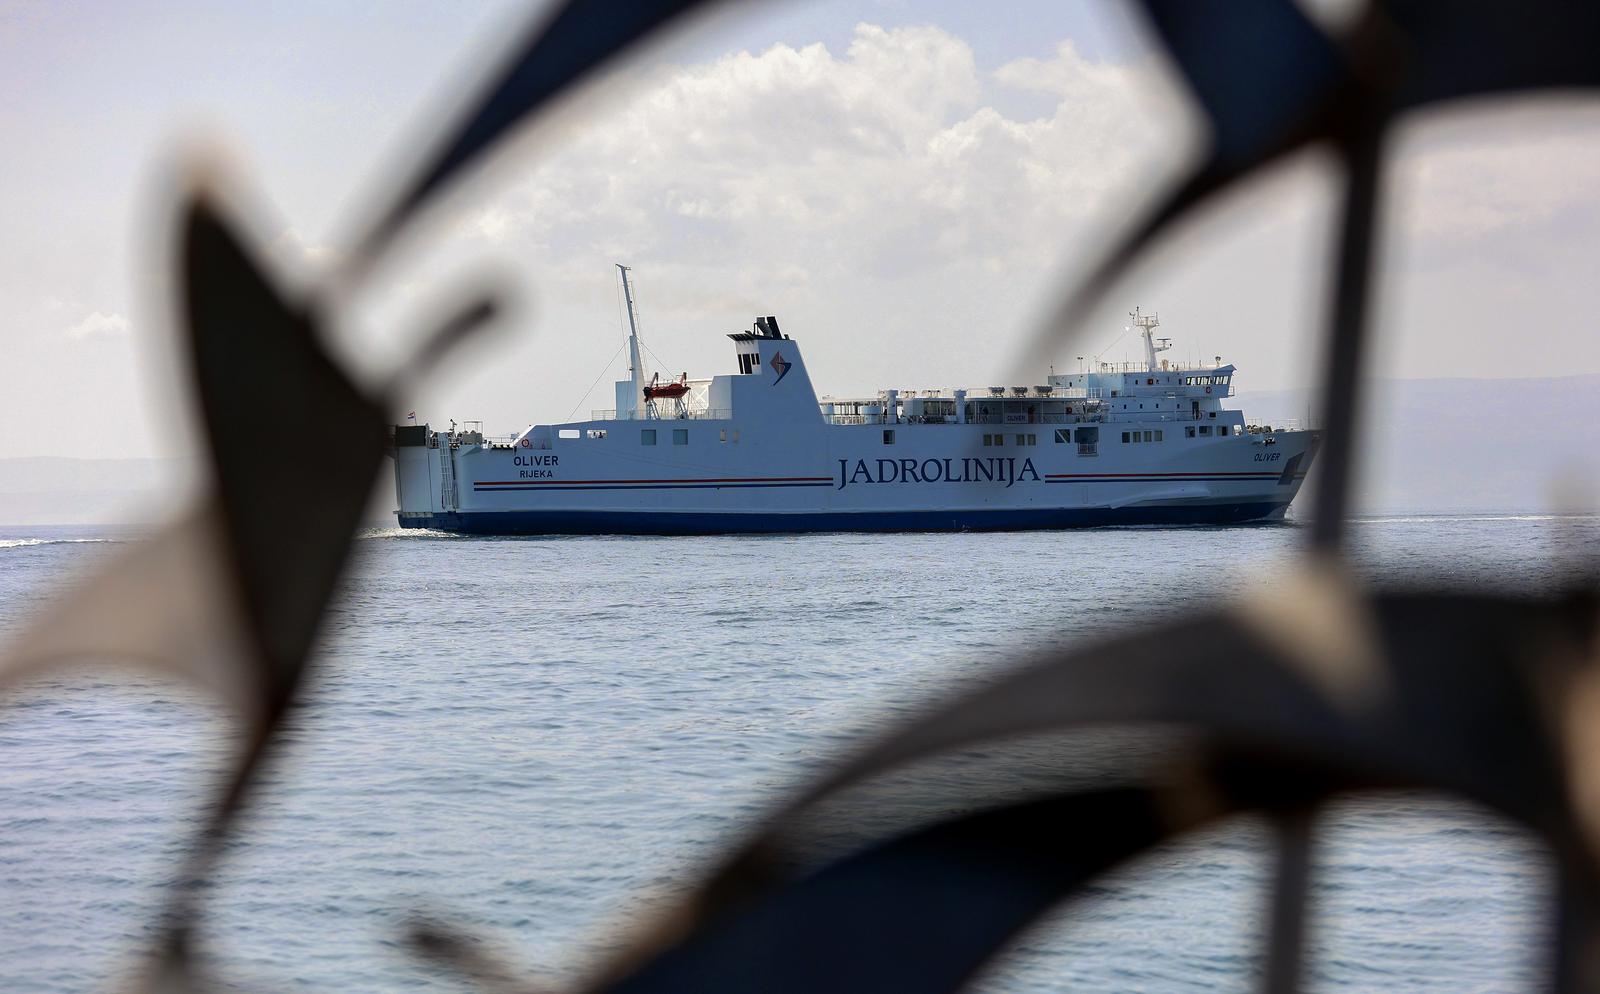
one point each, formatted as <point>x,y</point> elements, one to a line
<point>756,450</point>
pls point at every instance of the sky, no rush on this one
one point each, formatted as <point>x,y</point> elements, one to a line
<point>905,185</point>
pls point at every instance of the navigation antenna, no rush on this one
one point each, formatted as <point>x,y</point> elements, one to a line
<point>1147,323</point>
<point>635,367</point>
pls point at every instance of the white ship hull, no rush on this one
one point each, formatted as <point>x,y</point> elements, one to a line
<point>596,491</point>
<point>759,454</point>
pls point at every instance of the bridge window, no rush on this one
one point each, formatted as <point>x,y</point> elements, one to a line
<point>680,436</point>
<point>1205,429</point>
<point>1222,429</point>
<point>1158,434</point>
<point>597,433</point>
<point>1063,435</point>
<point>1188,432</point>
<point>647,436</point>
<point>722,435</point>
<point>1149,436</point>
<point>888,436</point>
<point>1124,438</point>
<point>569,433</point>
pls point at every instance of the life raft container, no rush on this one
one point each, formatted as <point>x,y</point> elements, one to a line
<point>666,391</point>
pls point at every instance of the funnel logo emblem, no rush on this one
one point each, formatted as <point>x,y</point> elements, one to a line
<point>779,365</point>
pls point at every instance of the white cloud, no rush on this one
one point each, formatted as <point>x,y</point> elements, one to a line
<point>1474,172</point>
<point>293,249</point>
<point>883,161</point>
<point>98,326</point>
<point>884,202</point>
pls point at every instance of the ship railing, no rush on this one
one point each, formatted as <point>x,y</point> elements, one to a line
<point>856,419</point>
<point>1139,366</point>
<point>666,413</point>
<point>510,442</point>
<point>1038,419</point>
<point>1023,419</point>
<point>1292,424</point>
<point>1179,416</point>
<point>951,419</point>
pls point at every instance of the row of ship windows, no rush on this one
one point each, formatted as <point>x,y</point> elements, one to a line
<point>1194,407</point>
<point>1001,439</point>
<point>996,439</point>
<point>1204,431</point>
<point>680,436</point>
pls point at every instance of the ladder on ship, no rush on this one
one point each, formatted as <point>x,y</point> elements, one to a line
<point>447,476</point>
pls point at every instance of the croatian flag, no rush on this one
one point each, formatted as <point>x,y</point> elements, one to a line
<point>412,416</point>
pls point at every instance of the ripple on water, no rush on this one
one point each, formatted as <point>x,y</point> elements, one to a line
<point>544,737</point>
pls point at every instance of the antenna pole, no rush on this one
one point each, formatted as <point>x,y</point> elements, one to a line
<point>1147,323</point>
<point>634,366</point>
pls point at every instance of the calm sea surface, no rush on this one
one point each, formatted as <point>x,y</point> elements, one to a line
<point>542,738</point>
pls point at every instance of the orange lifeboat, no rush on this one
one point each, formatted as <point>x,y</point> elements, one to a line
<point>666,391</point>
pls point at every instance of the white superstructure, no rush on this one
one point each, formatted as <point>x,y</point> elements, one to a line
<point>755,450</point>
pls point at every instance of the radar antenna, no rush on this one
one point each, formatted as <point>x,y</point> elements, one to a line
<point>1147,323</point>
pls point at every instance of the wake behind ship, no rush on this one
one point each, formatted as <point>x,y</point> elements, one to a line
<point>756,451</point>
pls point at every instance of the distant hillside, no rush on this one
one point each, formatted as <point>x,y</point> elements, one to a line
<point>1467,445</point>
<point>1427,446</point>
<point>59,490</point>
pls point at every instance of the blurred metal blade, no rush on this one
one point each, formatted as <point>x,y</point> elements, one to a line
<point>168,603</point>
<point>280,415</point>
<point>919,914</point>
<point>1456,49</point>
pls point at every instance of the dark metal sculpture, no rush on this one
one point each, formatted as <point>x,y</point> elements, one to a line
<point>1330,690</point>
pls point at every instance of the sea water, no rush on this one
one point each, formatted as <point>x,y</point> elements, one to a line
<point>545,740</point>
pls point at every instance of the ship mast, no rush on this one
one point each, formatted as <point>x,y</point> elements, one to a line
<point>634,366</point>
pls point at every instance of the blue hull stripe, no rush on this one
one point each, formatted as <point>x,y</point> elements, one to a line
<point>714,523</point>
<point>1235,478</point>
<point>563,487</point>
<point>557,486</point>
